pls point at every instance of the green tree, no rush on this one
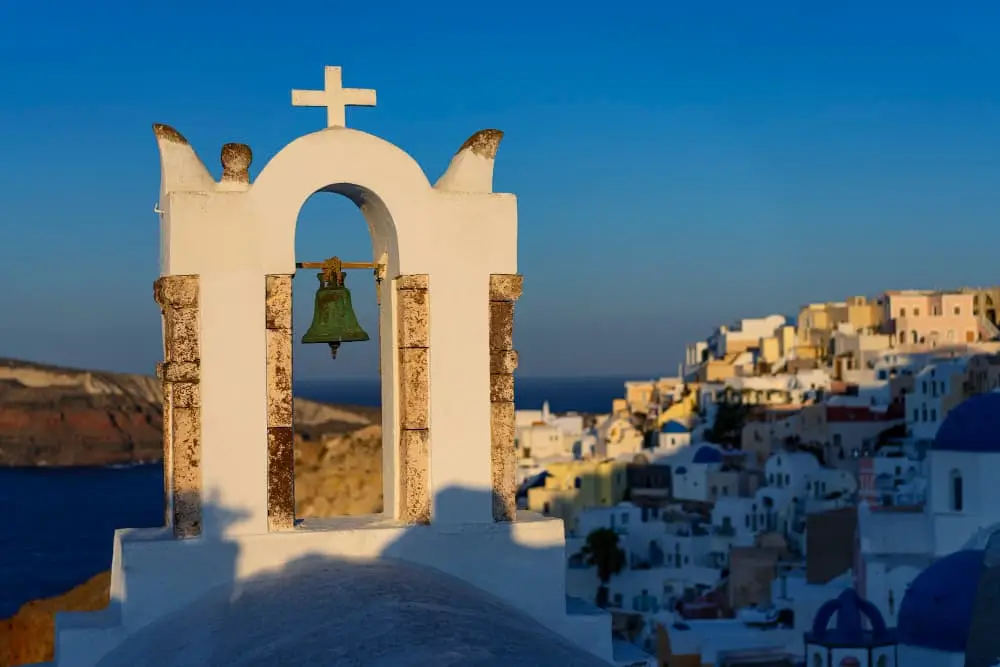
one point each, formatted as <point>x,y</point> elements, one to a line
<point>601,550</point>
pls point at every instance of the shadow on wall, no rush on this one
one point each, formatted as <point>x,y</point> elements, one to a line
<point>391,611</point>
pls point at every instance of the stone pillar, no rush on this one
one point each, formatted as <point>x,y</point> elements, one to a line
<point>180,372</point>
<point>280,434</point>
<point>505,289</point>
<point>413,302</point>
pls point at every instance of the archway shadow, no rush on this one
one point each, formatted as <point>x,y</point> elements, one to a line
<point>396,607</point>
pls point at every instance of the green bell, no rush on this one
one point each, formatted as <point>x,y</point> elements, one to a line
<point>334,321</point>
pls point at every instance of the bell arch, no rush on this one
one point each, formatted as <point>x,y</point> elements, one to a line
<point>227,259</point>
<point>390,190</point>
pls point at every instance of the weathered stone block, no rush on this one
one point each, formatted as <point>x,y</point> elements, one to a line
<point>501,325</point>
<point>186,395</point>
<point>414,477</point>
<point>280,478</point>
<point>278,302</point>
<point>414,281</point>
<point>186,459</point>
<point>502,388</point>
<point>176,292</point>
<point>179,371</point>
<point>414,388</point>
<point>414,318</point>
<point>503,459</point>
<point>506,286</point>
<point>503,361</point>
<point>279,377</point>
<point>183,333</point>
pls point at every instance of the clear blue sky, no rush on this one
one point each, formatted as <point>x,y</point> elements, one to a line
<point>678,164</point>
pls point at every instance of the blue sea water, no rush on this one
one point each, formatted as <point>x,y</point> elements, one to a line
<point>57,524</point>
<point>593,395</point>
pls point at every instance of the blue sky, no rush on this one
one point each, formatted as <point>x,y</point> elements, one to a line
<point>678,165</point>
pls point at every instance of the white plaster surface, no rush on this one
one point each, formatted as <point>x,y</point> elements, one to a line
<point>154,576</point>
<point>335,612</point>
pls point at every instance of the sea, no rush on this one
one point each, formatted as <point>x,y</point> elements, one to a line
<point>57,524</point>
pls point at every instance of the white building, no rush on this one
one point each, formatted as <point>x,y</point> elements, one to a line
<point>901,539</point>
<point>926,406</point>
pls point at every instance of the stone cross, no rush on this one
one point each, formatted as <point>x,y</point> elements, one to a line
<point>334,97</point>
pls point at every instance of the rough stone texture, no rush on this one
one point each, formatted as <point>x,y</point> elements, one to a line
<point>414,281</point>
<point>503,460</point>
<point>505,289</point>
<point>236,159</point>
<point>414,388</point>
<point>502,388</point>
<point>176,291</point>
<point>413,340</point>
<point>501,325</point>
<point>168,133</point>
<point>186,431</point>
<point>483,143</point>
<point>503,361</point>
<point>280,407</point>
<point>180,372</point>
<point>279,377</point>
<point>181,324</point>
<point>415,456</point>
<point>278,302</point>
<point>414,314</point>
<point>506,286</point>
<point>280,478</point>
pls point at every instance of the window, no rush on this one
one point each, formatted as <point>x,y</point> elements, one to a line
<point>902,312</point>
<point>545,508</point>
<point>788,479</point>
<point>958,310</point>
<point>916,415</point>
<point>933,415</point>
<point>746,520</point>
<point>577,483</point>
<point>836,440</point>
<point>916,312</point>
<point>624,518</point>
<point>902,339</point>
<point>923,413</point>
<point>956,491</point>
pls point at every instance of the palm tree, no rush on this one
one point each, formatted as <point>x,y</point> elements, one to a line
<point>601,550</point>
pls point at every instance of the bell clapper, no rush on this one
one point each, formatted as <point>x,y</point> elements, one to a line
<point>333,349</point>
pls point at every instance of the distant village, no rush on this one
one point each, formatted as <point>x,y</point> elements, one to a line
<point>805,491</point>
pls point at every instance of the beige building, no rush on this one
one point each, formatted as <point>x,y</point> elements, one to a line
<point>817,323</point>
<point>985,301</point>
<point>767,429</point>
<point>925,318</point>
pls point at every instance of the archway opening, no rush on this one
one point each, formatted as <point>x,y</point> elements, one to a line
<point>338,428</point>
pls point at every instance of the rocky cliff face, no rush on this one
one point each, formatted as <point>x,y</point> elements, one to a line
<point>52,416</point>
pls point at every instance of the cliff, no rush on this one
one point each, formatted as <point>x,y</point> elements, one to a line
<point>53,416</point>
<point>28,637</point>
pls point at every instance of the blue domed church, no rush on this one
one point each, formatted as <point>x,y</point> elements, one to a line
<point>849,631</point>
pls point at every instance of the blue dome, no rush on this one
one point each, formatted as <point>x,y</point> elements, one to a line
<point>707,454</point>
<point>849,630</point>
<point>972,426</point>
<point>936,612</point>
<point>674,426</point>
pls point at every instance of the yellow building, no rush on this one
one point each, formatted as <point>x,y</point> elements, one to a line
<point>573,485</point>
<point>680,411</point>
